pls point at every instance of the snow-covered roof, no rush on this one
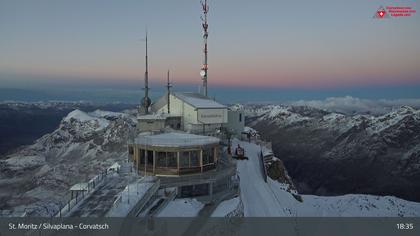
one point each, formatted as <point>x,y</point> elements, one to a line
<point>79,187</point>
<point>174,139</point>
<point>198,100</point>
<point>151,117</point>
<point>156,116</point>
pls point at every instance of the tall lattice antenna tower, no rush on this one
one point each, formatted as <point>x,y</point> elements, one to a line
<point>146,102</point>
<point>205,25</point>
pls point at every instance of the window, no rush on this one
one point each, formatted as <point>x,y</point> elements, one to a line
<point>150,157</point>
<point>142,156</point>
<point>212,156</point>
<point>240,117</point>
<point>189,159</point>
<point>166,159</point>
<point>208,156</point>
<point>172,159</point>
<point>130,150</point>
<point>195,159</point>
<point>184,159</point>
<point>161,159</point>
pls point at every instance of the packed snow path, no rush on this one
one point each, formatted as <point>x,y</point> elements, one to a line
<point>260,198</point>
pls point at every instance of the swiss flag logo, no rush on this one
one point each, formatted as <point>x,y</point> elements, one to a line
<point>380,13</point>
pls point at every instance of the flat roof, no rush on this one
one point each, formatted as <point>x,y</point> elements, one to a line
<point>156,116</point>
<point>198,100</point>
<point>175,139</point>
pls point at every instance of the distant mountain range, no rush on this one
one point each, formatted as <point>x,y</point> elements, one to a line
<point>325,153</point>
<point>328,153</point>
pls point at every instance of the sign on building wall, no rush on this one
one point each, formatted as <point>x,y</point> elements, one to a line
<point>212,116</point>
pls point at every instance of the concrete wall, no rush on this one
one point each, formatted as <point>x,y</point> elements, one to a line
<point>212,116</point>
<point>236,121</point>
<point>174,123</point>
<point>150,125</point>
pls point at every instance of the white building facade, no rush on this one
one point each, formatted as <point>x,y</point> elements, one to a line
<point>199,114</point>
<point>236,122</point>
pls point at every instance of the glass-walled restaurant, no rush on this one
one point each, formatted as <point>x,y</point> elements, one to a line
<point>195,155</point>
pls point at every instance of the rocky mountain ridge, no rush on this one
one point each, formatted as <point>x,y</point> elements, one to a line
<point>38,176</point>
<point>328,153</point>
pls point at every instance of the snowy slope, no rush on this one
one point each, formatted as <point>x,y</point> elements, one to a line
<point>37,177</point>
<point>273,198</point>
<point>260,198</point>
<point>228,207</point>
<point>182,207</point>
<point>357,205</point>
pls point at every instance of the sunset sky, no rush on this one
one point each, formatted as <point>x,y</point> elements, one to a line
<point>252,44</point>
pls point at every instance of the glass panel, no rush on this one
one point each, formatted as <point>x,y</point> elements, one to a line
<point>172,159</point>
<point>184,159</point>
<point>205,157</point>
<point>208,156</point>
<point>161,159</point>
<point>195,161</point>
<point>142,156</point>
<point>150,157</point>
<point>212,157</point>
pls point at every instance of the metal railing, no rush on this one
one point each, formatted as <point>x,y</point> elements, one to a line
<point>263,166</point>
<point>146,197</point>
<point>93,184</point>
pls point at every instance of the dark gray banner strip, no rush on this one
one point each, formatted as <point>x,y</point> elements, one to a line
<point>210,226</point>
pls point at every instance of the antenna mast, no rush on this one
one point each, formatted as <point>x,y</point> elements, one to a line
<point>168,87</point>
<point>146,102</point>
<point>204,69</point>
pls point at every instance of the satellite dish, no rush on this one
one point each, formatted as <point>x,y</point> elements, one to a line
<point>202,73</point>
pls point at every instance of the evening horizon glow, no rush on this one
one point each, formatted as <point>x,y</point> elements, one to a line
<point>251,44</point>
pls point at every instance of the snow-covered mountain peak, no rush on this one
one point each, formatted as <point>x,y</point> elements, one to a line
<point>237,107</point>
<point>78,115</point>
<point>384,122</point>
<point>95,121</point>
<point>82,145</point>
<point>107,114</point>
<point>407,110</point>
